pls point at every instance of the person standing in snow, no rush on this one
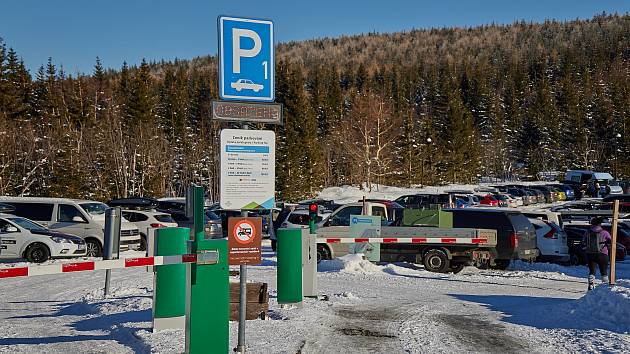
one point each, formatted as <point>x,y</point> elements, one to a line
<point>596,243</point>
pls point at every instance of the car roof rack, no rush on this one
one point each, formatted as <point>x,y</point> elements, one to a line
<point>135,203</point>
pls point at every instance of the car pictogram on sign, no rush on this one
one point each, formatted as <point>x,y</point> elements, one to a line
<point>244,84</point>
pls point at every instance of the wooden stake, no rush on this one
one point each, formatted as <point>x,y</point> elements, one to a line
<point>613,252</point>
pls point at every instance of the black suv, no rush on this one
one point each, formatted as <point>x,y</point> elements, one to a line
<point>423,201</point>
<point>516,237</point>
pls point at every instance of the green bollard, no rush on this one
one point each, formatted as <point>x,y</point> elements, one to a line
<point>289,280</point>
<point>169,295</point>
<point>208,304</point>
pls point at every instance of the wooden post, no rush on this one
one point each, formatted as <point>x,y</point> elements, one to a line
<point>613,244</point>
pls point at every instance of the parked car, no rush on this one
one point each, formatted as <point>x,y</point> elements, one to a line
<point>516,237</point>
<point>540,196</point>
<point>146,220</point>
<point>550,195</point>
<point>83,218</point>
<point>568,191</point>
<point>423,200</point>
<point>551,241</point>
<point>24,238</point>
<point>488,200</point>
<point>520,193</point>
<point>589,177</point>
<point>504,200</point>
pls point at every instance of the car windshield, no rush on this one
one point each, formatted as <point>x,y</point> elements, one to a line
<point>94,208</point>
<point>27,224</point>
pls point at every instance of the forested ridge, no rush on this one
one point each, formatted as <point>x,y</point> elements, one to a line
<point>418,107</point>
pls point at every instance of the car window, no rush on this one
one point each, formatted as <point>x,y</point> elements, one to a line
<point>33,211</point>
<point>141,217</point>
<point>67,213</point>
<point>165,218</point>
<point>4,225</point>
<point>519,221</point>
<point>342,218</point>
<point>27,224</point>
<point>129,216</point>
<point>94,208</point>
<point>379,211</point>
<point>298,219</point>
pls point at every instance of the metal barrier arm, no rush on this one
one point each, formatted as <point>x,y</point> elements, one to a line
<point>58,268</point>
<point>449,240</point>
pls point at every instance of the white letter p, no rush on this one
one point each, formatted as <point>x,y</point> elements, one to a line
<point>238,52</point>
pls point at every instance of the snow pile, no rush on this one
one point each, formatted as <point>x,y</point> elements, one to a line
<point>350,264</point>
<point>546,270</point>
<point>347,295</point>
<point>605,307</point>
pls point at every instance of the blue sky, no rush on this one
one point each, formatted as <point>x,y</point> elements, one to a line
<point>74,32</point>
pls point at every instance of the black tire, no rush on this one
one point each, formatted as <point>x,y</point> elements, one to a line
<point>93,248</point>
<point>143,243</point>
<point>500,264</point>
<point>436,261</point>
<point>322,253</point>
<point>456,268</point>
<point>37,253</point>
<point>274,245</point>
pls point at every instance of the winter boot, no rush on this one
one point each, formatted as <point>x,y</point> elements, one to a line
<point>591,282</point>
<point>604,279</point>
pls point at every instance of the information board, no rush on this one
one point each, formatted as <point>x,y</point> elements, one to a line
<point>248,169</point>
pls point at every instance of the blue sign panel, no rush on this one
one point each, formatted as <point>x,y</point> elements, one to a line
<point>246,59</point>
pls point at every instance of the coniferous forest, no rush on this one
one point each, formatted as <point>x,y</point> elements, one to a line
<point>413,108</point>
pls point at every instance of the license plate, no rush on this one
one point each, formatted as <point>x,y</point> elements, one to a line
<point>528,251</point>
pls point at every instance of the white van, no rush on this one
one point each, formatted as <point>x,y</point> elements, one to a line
<point>83,218</point>
<point>604,178</point>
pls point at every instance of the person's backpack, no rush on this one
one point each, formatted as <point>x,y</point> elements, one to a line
<point>594,241</point>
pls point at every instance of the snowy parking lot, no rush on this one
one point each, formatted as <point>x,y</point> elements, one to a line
<point>363,308</point>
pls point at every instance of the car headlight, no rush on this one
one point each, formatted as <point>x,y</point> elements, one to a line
<point>59,239</point>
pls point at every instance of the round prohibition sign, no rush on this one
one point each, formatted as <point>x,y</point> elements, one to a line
<point>244,232</point>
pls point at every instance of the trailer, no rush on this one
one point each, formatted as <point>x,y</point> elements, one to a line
<point>439,249</point>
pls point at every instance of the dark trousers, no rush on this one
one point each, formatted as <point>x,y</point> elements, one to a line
<point>597,260</point>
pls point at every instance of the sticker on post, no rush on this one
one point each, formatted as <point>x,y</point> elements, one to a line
<point>244,241</point>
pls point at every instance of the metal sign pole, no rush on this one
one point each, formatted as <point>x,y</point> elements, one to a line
<point>612,251</point>
<point>242,302</point>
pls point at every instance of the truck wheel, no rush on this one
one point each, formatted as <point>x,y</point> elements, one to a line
<point>93,248</point>
<point>322,253</point>
<point>436,261</point>
<point>500,264</point>
<point>37,253</point>
<point>456,268</point>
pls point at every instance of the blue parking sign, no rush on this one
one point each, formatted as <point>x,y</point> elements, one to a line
<point>246,59</point>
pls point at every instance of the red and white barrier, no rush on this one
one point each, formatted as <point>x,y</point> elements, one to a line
<point>468,241</point>
<point>58,268</point>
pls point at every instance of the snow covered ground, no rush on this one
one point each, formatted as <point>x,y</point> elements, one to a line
<point>363,308</point>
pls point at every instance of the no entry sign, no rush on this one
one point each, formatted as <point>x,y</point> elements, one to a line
<point>244,240</point>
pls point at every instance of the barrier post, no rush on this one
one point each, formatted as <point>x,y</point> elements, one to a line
<point>289,266</point>
<point>309,263</point>
<point>169,283</point>
<point>111,238</point>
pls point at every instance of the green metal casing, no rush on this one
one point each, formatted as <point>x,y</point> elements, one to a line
<point>170,280</point>
<point>208,305</point>
<point>289,279</point>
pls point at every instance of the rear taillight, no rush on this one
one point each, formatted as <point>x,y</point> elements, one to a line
<point>157,226</point>
<point>514,241</point>
<point>551,235</point>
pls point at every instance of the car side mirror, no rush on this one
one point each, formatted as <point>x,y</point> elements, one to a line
<point>77,219</point>
<point>11,229</point>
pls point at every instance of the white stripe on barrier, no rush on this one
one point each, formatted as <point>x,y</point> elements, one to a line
<point>109,264</point>
<point>58,268</point>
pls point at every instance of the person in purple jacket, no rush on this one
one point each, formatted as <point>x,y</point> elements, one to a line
<point>596,243</point>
